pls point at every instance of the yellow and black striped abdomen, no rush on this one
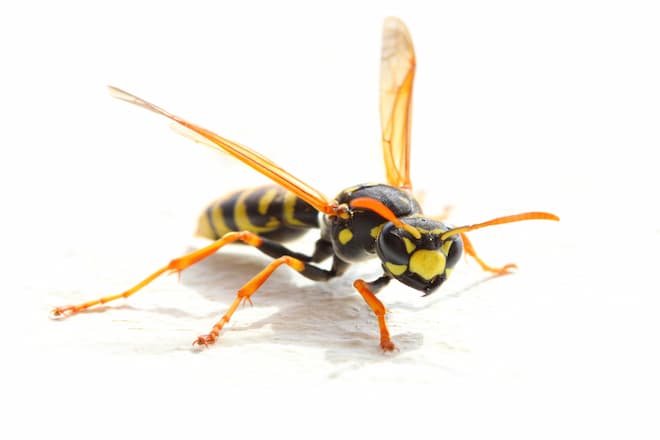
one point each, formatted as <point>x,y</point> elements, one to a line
<point>270,211</point>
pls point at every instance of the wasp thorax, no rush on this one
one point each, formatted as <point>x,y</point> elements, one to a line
<point>422,260</point>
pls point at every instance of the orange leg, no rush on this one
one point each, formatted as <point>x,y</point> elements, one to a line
<point>244,294</point>
<point>378,308</point>
<point>469,249</point>
<point>176,265</point>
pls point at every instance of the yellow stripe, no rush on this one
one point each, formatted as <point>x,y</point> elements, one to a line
<point>289,210</point>
<point>204,228</point>
<point>208,227</point>
<point>218,220</point>
<point>243,221</point>
<point>264,201</point>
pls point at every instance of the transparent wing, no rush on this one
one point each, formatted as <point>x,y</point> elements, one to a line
<point>192,135</point>
<point>397,72</point>
<point>241,152</point>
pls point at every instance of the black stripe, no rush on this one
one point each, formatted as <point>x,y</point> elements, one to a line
<point>228,208</point>
<point>209,217</point>
<point>252,206</point>
<point>305,213</point>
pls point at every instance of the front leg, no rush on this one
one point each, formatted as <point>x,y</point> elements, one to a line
<point>368,291</point>
<point>469,249</point>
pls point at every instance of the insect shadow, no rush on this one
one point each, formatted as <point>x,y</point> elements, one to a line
<point>329,315</point>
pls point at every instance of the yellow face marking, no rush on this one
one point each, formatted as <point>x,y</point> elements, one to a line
<point>396,269</point>
<point>410,246</point>
<point>243,221</point>
<point>445,247</point>
<point>289,210</point>
<point>345,235</point>
<point>266,199</point>
<point>427,264</point>
<point>375,231</point>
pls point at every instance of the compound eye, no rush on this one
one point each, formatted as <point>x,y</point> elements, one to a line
<point>455,250</point>
<point>391,246</point>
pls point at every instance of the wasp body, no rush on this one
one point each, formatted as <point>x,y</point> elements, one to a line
<point>278,216</point>
<point>362,222</point>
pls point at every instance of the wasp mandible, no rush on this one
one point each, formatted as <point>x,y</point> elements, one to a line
<point>363,222</point>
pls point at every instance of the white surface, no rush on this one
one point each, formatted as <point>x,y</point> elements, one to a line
<point>517,107</point>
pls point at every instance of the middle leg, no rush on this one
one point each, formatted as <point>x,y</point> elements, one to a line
<point>282,255</point>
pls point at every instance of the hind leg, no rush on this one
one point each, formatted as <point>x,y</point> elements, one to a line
<point>177,265</point>
<point>281,254</point>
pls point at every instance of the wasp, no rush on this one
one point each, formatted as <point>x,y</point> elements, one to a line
<point>363,222</point>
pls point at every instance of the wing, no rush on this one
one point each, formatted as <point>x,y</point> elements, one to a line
<point>397,71</point>
<point>241,152</point>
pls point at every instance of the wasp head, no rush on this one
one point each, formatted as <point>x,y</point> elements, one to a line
<point>417,255</point>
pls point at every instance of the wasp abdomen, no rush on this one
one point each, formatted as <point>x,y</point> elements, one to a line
<point>269,211</point>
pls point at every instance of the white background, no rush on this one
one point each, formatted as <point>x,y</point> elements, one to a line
<point>517,107</point>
